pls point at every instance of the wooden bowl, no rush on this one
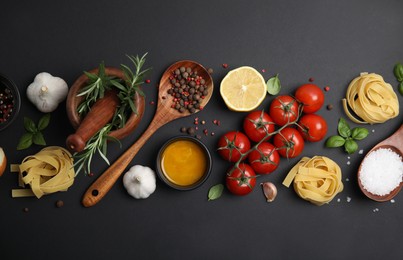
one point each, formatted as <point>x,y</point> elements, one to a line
<point>73,101</point>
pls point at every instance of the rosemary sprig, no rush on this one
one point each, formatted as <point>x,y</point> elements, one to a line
<point>97,143</point>
<point>97,85</point>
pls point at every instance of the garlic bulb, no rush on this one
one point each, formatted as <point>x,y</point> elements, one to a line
<point>47,91</point>
<point>139,181</point>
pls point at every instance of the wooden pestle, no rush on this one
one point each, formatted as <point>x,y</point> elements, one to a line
<point>100,114</point>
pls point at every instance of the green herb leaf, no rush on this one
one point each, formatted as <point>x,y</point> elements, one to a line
<point>38,139</point>
<point>401,88</point>
<point>350,146</point>
<point>359,133</point>
<point>343,128</point>
<point>43,122</point>
<point>215,192</point>
<point>29,125</point>
<point>398,71</point>
<point>25,141</point>
<point>273,85</point>
<point>335,141</point>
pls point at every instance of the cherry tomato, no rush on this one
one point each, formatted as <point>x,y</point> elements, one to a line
<point>257,125</point>
<point>289,142</point>
<point>284,109</point>
<point>311,96</point>
<point>314,127</point>
<point>265,159</point>
<point>232,144</point>
<point>241,180</point>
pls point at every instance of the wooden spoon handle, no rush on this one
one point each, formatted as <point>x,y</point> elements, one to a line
<point>105,182</point>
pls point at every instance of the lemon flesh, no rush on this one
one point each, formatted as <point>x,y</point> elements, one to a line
<point>243,89</point>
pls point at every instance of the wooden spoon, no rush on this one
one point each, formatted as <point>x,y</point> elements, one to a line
<point>164,114</point>
<point>395,143</point>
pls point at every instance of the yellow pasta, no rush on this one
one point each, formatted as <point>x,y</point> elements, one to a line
<point>316,179</point>
<point>50,170</point>
<point>371,98</point>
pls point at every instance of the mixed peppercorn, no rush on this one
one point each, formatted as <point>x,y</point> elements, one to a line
<point>6,104</point>
<point>188,90</point>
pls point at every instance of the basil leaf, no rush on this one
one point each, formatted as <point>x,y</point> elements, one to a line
<point>215,192</point>
<point>335,141</point>
<point>398,71</point>
<point>273,85</point>
<point>350,146</point>
<point>359,133</point>
<point>343,128</point>
<point>29,125</point>
<point>43,122</point>
<point>25,141</point>
<point>401,88</point>
<point>38,139</point>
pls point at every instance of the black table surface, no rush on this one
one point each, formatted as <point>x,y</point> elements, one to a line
<point>330,41</point>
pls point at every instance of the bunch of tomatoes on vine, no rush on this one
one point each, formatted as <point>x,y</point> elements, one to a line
<point>282,132</point>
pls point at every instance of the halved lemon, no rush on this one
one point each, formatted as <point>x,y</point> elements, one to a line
<point>243,89</point>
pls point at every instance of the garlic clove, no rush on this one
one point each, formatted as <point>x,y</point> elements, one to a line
<point>269,190</point>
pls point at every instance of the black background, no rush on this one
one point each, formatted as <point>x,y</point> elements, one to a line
<point>331,41</point>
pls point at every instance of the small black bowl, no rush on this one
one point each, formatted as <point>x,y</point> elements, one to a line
<point>6,85</point>
<point>206,174</point>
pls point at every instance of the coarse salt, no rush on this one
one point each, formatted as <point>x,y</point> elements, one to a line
<point>381,171</point>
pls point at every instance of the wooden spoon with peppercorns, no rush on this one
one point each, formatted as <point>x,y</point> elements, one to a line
<point>395,143</point>
<point>170,107</point>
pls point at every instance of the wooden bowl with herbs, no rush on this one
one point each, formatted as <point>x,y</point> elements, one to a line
<point>105,102</point>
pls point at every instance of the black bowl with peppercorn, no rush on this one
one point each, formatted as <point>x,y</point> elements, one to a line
<point>9,102</point>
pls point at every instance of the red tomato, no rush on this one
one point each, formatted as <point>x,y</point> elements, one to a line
<point>241,180</point>
<point>311,96</point>
<point>284,109</point>
<point>265,159</point>
<point>232,144</point>
<point>289,142</point>
<point>314,127</point>
<point>257,125</point>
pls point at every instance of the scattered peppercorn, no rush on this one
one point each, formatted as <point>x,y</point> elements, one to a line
<point>225,65</point>
<point>205,132</point>
<point>327,88</point>
<point>263,70</point>
<point>329,107</point>
<point>25,209</point>
<point>311,79</point>
<point>212,134</point>
<point>203,122</point>
<point>148,81</point>
<point>191,130</point>
<point>59,203</point>
<point>152,103</point>
<point>183,129</point>
<point>210,70</point>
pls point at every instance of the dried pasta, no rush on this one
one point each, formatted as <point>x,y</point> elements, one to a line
<point>50,170</point>
<point>317,179</point>
<point>371,98</point>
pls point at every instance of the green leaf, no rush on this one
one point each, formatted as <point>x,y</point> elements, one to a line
<point>335,141</point>
<point>350,146</point>
<point>29,125</point>
<point>359,133</point>
<point>118,85</point>
<point>25,141</point>
<point>215,192</point>
<point>38,139</point>
<point>401,88</point>
<point>343,128</point>
<point>273,85</point>
<point>398,71</point>
<point>43,122</point>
